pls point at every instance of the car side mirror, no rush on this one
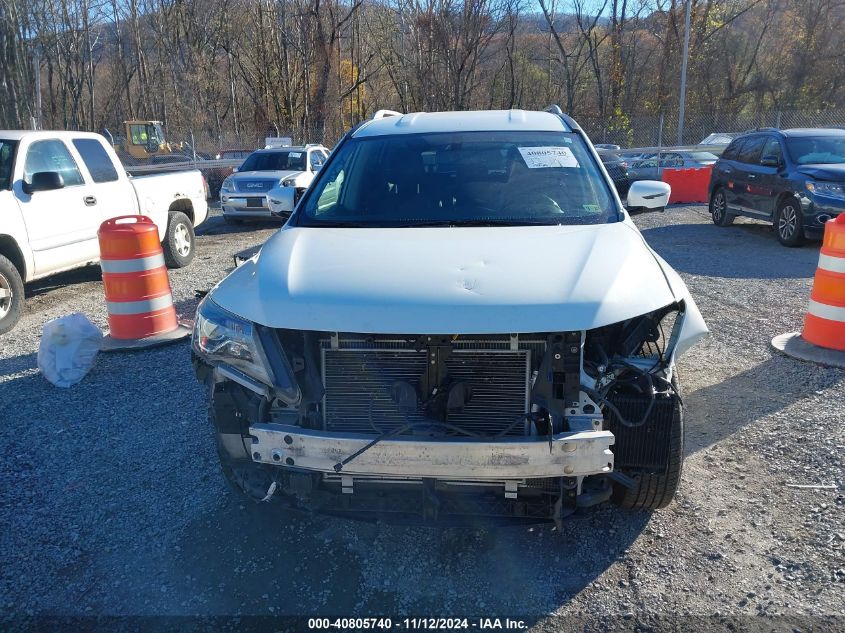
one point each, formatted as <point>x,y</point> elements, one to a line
<point>648,194</point>
<point>770,160</point>
<point>44,181</point>
<point>281,200</point>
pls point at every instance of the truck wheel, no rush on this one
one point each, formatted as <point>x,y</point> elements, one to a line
<point>179,241</point>
<point>11,295</point>
<point>653,491</point>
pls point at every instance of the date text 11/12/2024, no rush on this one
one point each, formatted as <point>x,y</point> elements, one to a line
<point>414,624</point>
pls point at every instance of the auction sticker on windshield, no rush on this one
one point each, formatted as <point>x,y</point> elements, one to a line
<point>539,157</point>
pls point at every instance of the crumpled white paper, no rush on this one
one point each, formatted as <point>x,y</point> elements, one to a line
<point>68,349</point>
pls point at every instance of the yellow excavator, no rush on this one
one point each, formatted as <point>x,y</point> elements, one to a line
<point>144,139</point>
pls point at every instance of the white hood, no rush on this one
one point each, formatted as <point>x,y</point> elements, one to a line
<point>264,175</point>
<point>454,280</point>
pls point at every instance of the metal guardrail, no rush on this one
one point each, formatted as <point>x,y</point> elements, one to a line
<point>155,168</point>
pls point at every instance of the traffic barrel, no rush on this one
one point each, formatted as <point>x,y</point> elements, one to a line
<point>138,295</point>
<point>823,337</point>
<point>824,324</point>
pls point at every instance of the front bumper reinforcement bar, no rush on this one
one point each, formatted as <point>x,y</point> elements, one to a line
<point>571,455</point>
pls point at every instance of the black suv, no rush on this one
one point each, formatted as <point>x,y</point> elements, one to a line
<point>792,178</point>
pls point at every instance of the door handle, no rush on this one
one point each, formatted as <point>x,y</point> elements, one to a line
<point>90,201</point>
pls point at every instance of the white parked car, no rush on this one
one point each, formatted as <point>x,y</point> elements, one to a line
<point>56,188</point>
<point>248,192</point>
<point>459,321</point>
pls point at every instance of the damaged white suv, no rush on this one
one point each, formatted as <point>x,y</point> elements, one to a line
<point>459,321</point>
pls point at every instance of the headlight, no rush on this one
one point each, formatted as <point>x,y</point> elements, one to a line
<point>826,189</point>
<point>227,185</point>
<point>289,182</point>
<point>220,336</point>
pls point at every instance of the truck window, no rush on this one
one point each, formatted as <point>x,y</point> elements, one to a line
<point>96,159</point>
<point>51,155</point>
<point>7,162</point>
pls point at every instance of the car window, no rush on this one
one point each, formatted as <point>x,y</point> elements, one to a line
<point>821,150</point>
<point>672,162</point>
<point>733,150</point>
<point>451,177</point>
<point>96,159</point>
<point>292,160</point>
<point>751,150</point>
<point>7,162</point>
<point>316,159</point>
<point>772,148</point>
<point>645,164</point>
<point>51,155</point>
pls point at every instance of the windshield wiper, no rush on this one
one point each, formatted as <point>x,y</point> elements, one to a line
<point>479,222</point>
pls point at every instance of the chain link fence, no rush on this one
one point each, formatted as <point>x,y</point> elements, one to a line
<point>217,154</point>
<point>662,129</point>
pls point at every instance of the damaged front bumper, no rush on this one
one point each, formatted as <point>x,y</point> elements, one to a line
<point>575,454</point>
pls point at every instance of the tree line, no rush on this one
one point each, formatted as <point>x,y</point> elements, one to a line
<point>314,68</point>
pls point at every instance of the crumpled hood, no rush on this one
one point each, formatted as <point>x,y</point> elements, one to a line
<point>451,280</point>
<point>834,172</point>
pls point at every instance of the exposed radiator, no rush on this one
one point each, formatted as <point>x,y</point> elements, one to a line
<point>359,375</point>
<point>644,448</point>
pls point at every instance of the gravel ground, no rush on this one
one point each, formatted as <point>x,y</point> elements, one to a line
<point>111,500</point>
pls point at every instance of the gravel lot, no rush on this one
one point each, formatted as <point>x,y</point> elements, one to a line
<point>111,500</point>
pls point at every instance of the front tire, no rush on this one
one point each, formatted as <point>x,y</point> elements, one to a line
<point>179,242</point>
<point>655,491</point>
<point>719,208</point>
<point>789,223</point>
<point>11,295</point>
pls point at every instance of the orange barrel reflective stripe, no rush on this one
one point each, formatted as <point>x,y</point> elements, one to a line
<point>137,289</point>
<point>824,324</point>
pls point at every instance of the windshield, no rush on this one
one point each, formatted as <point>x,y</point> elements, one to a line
<point>475,178</point>
<point>7,162</point>
<point>275,161</point>
<point>806,150</point>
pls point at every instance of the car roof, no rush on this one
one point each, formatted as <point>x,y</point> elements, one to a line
<point>814,131</point>
<point>467,121</point>
<point>16,135</point>
<point>797,132</point>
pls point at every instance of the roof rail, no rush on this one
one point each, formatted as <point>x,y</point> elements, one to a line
<point>555,109</point>
<point>381,114</point>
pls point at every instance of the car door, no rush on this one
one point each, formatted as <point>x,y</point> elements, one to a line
<point>724,168</point>
<point>744,176</point>
<point>61,224</point>
<point>766,183</point>
<point>111,192</point>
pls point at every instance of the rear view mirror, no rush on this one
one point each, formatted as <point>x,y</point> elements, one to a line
<point>770,160</point>
<point>648,194</point>
<point>44,181</point>
<point>281,200</point>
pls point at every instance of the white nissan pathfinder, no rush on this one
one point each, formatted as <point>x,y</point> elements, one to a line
<point>459,321</point>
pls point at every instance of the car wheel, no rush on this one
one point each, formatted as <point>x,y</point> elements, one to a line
<point>655,491</point>
<point>179,243</point>
<point>719,208</point>
<point>789,223</point>
<point>11,295</point>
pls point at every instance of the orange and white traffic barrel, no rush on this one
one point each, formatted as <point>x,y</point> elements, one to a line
<point>138,295</point>
<point>823,337</point>
<point>824,324</point>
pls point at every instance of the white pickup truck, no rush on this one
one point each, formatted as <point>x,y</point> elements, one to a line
<point>56,188</point>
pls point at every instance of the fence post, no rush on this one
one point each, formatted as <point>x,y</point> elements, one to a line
<point>777,120</point>
<point>193,147</point>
